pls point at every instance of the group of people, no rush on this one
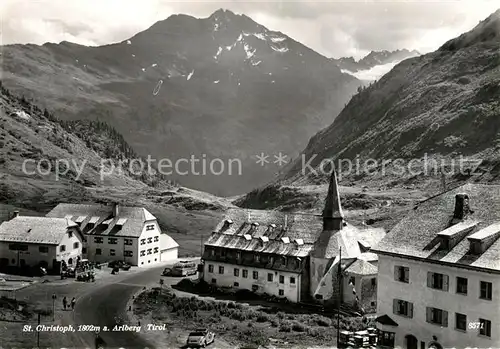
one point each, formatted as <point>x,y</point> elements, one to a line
<point>72,303</point>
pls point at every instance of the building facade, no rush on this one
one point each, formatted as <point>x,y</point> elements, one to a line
<point>439,273</point>
<point>295,256</point>
<point>113,232</point>
<point>39,242</point>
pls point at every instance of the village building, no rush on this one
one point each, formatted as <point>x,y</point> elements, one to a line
<point>295,255</point>
<point>114,232</point>
<point>439,273</point>
<point>39,242</point>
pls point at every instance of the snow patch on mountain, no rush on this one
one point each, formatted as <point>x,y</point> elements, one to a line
<point>248,51</point>
<point>229,48</point>
<point>260,36</point>
<point>218,53</point>
<point>278,39</point>
<point>22,115</point>
<point>256,63</point>
<point>216,81</point>
<point>143,69</point>
<point>129,42</point>
<point>154,65</point>
<point>240,38</point>
<point>190,75</point>
<point>280,49</point>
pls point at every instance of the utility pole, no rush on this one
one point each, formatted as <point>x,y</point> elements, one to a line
<point>54,307</point>
<point>340,296</point>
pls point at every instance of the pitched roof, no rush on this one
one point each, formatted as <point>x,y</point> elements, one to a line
<point>106,224</point>
<point>329,242</point>
<point>42,230</point>
<point>416,235</point>
<point>166,242</point>
<point>298,226</point>
<point>361,267</point>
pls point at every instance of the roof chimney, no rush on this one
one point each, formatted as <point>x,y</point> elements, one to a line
<point>116,210</point>
<point>15,214</point>
<point>462,208</point>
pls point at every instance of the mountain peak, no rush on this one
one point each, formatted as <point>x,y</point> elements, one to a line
<point>222,13</point>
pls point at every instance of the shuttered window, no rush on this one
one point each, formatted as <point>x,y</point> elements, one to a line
<point>438,281</point>
<point>402,274</point>
<point>437,316</point>
<point>403,308</point>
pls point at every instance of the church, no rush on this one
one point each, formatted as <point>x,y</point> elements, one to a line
<point>295,255</point>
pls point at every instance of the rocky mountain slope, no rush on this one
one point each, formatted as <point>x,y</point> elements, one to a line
<point>374,58</point>
<point>63,162</point>
<point>224,86</point>
<point>444,104</point>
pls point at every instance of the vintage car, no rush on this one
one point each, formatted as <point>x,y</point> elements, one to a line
<point>200,338</point>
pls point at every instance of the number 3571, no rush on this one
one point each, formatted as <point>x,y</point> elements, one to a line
<point>476,325</point>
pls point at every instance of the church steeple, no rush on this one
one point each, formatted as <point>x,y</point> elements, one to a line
<point>333,217</point>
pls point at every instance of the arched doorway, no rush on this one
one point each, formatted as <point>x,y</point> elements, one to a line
<point>70,261</point>
<point>411,342</point>
<point>435,345</point>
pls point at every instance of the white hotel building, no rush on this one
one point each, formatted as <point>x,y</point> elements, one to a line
<point>113,232</point>
<point>439,273</point>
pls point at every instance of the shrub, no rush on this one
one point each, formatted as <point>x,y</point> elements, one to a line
<point>274,323</point>
<point>281,315</point>
<point>262,318</point>
<point>285,327</point>
<point>324,322</point>
<point>298,327</point>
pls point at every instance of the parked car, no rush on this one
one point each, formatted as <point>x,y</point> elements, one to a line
<point>184,268</point>
<point>167,272</point>
<point>200,338</point>
<point>119,264</point>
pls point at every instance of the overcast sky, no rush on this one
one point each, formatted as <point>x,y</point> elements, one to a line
<point>333,28</point>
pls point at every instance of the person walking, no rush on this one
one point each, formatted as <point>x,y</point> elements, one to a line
<point>65,302</point>
<point>73,302</point>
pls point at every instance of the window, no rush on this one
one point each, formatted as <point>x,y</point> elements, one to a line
<point>143,253</point>
<point>221,270</point>
<point>76,245</point>
<point>319,296</point>
<point>461,285</point>
<point>386,339</point>
<point>223,253</point>
<point>112,252</point>
<point>150,227</point>
<point>150,251</point>
<point>212,253</point>
<point>245,273</point>
<point>236,284</point>
<point>98,251</point>
<point>437,281</point>
<point>155,250</point>
<point>485,327</point>
<point>157,238</point>
<point>150,240</point>
<point>236,272</point>
<point>257,258</point>
<point>210,268</point>
<point>143,241</point>
<point>460,322</point>
<point>437,316</point>
<point>284,260</point>
<point>374,282</point>
<point>281,292</point>
<point>486,289</point>
<point>112,241</point>
<point>18,247</point>
<point>352,281</point>
<point>270,277</point>
<point>70,234</point>
<point>128,242</point>
<point>255,275</point>
<point>282,279</point>
<point>43,249</point>
<point>98,240</point>
<point>62,248</point>
<point>128,253</point>
<point>292,280</point>
<point>403,308</point>
<point>402,274</point>
<point>238,255</point>
<point>214,281</point>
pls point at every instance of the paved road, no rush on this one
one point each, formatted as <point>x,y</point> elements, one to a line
<point>106,306</point>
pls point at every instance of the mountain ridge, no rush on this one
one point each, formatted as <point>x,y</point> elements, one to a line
<point>170,86</point>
